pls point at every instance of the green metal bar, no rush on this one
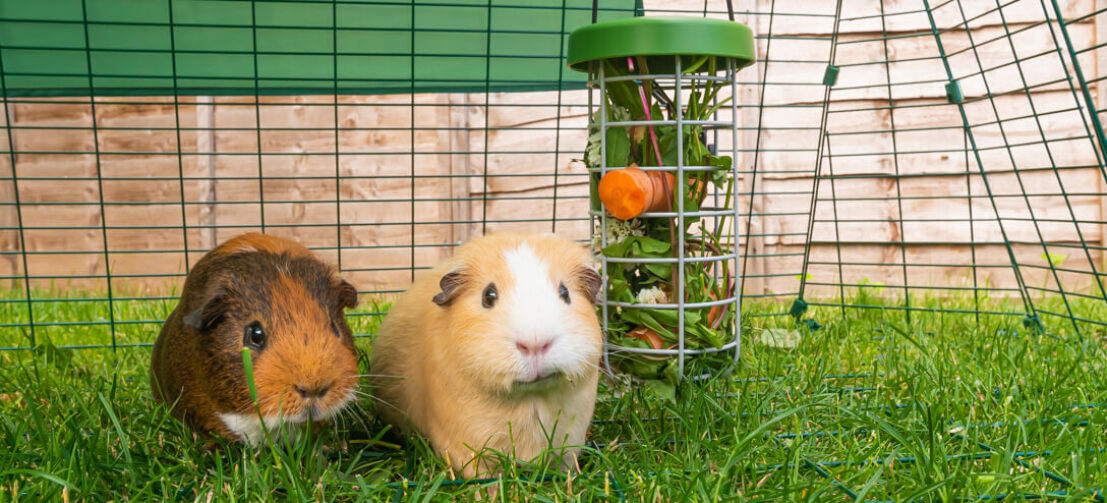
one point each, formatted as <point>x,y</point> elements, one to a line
<point>8,116</point>
<point>837,229</point>
<point>919,309</point>
<point>557,124</point>
<point>895,166</point>
<point>997,38</point>
<point>917,287</point>
<point>180,146</point>
<point>1099,139</point>
<point>980,164</point>
<point>257,112</point>
<point>883,14</point>
<point>338,140</point>
<point>411,138</point>
<point>487,91</point>
<point>819,154</point>
<point>756,164</point>
<point>1080,319</point>
<point>1057,175</point>
<point>1010,153</point>
<point>99,184</point>
<point>1078,19</point>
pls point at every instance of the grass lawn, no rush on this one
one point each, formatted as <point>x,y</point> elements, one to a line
<point>867,408</point>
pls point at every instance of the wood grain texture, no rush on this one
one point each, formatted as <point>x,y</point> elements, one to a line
<point>397,181</point>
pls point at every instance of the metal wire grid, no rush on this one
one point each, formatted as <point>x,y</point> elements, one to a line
<point>785,272</point>
<point>954,156</point>
<point>723,133</point>
<point>114,196</point>
<point>796,245</point>
<point>991,98</point>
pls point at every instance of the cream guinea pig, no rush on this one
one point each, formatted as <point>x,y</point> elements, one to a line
<point>497,347</point>
<point>273,296</point>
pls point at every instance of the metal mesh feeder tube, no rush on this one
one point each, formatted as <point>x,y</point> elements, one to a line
<point>662,157</point>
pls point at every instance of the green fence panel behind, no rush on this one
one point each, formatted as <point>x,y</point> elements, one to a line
<point>229,47</point>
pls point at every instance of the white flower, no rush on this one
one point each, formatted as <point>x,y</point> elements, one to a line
<point>652,295</point>
<point>618,230</point>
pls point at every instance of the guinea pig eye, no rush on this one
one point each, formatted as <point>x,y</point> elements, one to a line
<point>255,336</point>
<point>490,295</point>
<point>564,293</point>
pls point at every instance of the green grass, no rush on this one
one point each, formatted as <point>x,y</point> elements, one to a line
<point>867,408</point>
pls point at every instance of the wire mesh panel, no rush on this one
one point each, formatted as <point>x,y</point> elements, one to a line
<point>900,164</point>
<point>380,135</point>
<point>927,151</point>
<point>900,150</point>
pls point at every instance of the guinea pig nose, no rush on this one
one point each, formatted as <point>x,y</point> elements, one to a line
<point>533,348</point>
<point>312,391</point>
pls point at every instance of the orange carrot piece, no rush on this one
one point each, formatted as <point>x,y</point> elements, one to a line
<point>629,192</point>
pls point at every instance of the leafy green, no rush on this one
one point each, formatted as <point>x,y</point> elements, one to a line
<point>618,146</point>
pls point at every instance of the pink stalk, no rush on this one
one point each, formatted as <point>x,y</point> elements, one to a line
<point>646,107</point>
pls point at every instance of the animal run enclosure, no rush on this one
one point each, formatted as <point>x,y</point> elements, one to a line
<point>910,158</point>
<point>913,150</point>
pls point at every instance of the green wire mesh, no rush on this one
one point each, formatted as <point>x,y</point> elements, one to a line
<point>949,150</point>
<point>903,154</point>
<point>328,122</point>
<point>889,157</point>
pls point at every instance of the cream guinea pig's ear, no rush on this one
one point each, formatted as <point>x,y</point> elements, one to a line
<point>590,281</point>
<point>451,284</point>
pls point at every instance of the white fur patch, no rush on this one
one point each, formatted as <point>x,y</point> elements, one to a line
<point>537,315</point>
<point>532,296</point>
<point>248,427</point>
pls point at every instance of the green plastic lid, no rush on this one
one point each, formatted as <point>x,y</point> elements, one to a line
<point>660,36</point>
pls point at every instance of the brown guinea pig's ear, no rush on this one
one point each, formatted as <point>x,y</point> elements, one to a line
<point>591,282</point>
<point>207,316</point>
<point>347,294</point>
<point>451,286</point>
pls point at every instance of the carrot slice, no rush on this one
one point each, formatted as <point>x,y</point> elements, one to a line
<point>649,336</point>
<point>630,191</point>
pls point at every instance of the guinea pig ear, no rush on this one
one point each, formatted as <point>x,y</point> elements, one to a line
<point>207,316</point>
<point>451,286</point>
<point>347,294</point>
<point>591,281</point>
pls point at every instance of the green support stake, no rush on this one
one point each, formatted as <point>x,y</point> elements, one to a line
<point>1033,322</point>
<point>799,306</point>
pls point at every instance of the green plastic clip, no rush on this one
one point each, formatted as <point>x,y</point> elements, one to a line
<point>831,76</point>
<point>1033,322</point>
<point>799,306</point>
<point>811,324</point>
<point>953,92</point>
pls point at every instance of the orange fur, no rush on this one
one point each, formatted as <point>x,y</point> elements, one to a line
<point>253,241</point>
<point>310,359</point>
<point>447,370</point>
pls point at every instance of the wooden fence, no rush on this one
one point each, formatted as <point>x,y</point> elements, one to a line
<point>395,181</point>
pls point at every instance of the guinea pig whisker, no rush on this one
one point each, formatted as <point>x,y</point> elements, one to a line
<point>383,402</point>
<point>604,371</point>
<point>362,394</point>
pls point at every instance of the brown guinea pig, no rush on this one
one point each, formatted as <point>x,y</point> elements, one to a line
<point>273,296</point>
<point>497,347</point>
